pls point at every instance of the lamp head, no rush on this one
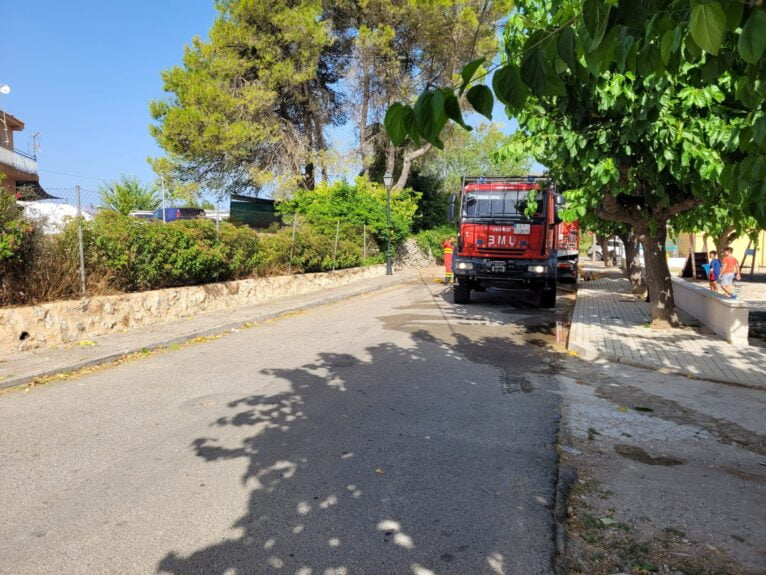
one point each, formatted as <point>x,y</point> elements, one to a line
<point>388,179</point>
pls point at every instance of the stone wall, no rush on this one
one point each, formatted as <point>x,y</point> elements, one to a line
<point>55,323</point>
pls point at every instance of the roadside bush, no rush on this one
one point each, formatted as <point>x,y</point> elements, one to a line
<point>128,254</point>
<point>358,204</point>
<point>312,251</point>
<point>139,254</point>
<point>36,267</point>
<point>430,241</point>
<point>15,232</point>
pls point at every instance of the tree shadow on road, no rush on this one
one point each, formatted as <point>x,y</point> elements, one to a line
<point>405,460</point>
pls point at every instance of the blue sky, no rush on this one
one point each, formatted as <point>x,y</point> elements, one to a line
<point>82,74</point>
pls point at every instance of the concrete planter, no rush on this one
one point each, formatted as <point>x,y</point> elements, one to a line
<point>56,323</point>
<point>728,318</point>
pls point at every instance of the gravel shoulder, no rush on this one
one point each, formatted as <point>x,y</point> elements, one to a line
<point>671,473</point>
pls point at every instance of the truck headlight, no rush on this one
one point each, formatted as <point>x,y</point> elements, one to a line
<point>465,265</point>
<point>537,269</point>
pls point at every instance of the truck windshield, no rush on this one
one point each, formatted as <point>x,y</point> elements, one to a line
<point>504,204</point>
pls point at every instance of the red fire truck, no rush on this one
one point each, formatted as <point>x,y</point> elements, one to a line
<point>567,251</point>
<point>499,245</point>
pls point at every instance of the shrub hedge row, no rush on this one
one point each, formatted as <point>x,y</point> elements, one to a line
<point>127,254</point>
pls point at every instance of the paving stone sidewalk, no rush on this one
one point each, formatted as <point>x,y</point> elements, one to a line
<point>25,367</point>
<point>609,323</point>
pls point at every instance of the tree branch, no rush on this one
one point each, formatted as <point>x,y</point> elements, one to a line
<point>409,157</point>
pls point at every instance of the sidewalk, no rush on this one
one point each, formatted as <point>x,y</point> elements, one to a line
<point>609,323</point>
<point>25,367</point>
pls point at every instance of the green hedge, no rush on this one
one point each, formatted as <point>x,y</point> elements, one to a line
<point>140,255</point>
<point>431,240</point>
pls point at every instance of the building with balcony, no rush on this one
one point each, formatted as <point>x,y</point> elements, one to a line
<point>18,170</point>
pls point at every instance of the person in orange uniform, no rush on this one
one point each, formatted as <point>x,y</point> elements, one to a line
<point>448,247</point>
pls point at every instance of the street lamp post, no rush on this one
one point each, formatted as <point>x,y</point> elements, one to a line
<point>388,180</point>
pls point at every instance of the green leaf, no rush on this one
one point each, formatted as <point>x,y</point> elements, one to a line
<point>734,11</point>
<point>554,85</point>
<point>649,60</point>
<point>752,41</point>
<point>596,17</point>
<point>431,116</point>
<point>480,97</point>
<point>745,93</point>
<point>534,70</point>
<point>394,124</point>
<point>566,47</point>
<point>468,72</point>
<point>509,88</point>
<point>666,46</point>
<point>759,132</point>
<point>452,108</point>
<point>707,26</point>
<point>625,43</point>
<point>710,71</point>
<point>411,124</point>
<point>601,58</point>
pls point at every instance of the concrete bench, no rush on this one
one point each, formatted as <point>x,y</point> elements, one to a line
<point>726,317</point>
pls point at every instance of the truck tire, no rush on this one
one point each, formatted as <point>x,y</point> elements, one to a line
<point>461,292</point>
<point>548,295</point>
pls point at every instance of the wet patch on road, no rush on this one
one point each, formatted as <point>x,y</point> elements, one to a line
<point>635,453</point>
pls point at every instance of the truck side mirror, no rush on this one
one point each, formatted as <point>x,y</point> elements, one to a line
<point>451,212</point>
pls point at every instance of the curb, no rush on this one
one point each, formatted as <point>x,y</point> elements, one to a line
<point>16,381</point>
<point>589,353</point>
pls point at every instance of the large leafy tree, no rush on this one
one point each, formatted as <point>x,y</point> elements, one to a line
<point>402,47</point>
<point>475,153</point>
<point>253,103</point>
<point>647,108</point>
<point>358,204</point>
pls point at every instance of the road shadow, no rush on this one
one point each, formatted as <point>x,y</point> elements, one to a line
<point>402,460</point>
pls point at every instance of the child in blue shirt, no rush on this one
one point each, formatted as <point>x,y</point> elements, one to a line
<point>715,270</point>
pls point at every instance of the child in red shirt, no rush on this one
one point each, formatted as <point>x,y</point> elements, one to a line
<point>729,269</point>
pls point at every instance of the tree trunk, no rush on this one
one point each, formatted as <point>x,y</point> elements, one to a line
<point>632,243</point>
<point>593,242</point>
<point>604,242</point>
<point>363,119</point>
<point>724,239</point>
<point>321,146</point>
<point>658,279</point>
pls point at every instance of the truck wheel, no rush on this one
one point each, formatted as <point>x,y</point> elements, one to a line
<point>548,296</point>
<point>461,292</point>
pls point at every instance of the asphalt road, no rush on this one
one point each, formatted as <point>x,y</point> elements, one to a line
<point>393,433</point>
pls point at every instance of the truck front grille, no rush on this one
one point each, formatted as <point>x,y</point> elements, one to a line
<point>490,252</point>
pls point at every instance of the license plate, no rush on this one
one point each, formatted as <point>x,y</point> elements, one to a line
<point>498,267</point>
<point>521,229</point>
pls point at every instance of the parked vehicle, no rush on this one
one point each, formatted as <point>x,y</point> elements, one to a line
<point>499,245</point>
<point>567,251</point>
<point>172,214</point>
<point>142,214</point>
<point>616,250</point>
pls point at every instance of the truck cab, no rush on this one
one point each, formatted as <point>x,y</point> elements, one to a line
<point>507,237</point>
